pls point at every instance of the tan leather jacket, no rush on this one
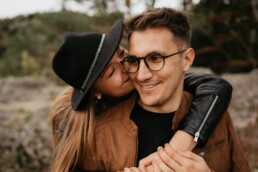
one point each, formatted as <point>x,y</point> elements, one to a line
<point>116,141</point>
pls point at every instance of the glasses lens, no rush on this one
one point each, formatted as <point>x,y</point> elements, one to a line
<point>131,64</point>
<point>155,61</point>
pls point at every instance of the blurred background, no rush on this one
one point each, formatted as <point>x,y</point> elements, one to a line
<point>225,38</point>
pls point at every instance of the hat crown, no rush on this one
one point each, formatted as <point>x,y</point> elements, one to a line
<point>75,57</point>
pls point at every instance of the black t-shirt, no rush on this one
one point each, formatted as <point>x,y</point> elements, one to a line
<point>155,129</point>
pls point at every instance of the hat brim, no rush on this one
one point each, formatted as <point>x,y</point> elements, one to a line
<point>109,47</point>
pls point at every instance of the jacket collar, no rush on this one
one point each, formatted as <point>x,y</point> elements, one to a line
<point>183,109</point>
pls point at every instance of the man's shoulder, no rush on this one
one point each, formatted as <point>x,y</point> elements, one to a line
<point>182,109</point>
<point>187,97</point>
<point>186,101</point>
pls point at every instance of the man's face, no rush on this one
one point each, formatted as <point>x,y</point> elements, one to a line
<point>160,91</point>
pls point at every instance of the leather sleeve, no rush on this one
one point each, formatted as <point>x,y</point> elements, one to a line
<point>212,96</point>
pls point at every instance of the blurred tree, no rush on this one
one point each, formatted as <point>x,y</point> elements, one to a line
<point>255,8</point>
<point>150,4</point>
<point>128,3</point>
<point>64,2</point>
<point>100,6</point>
<point>105,6</point>
<point>187,4</point>
<point>225,35</point>
<point>110,6</point>
<point>27,44</point>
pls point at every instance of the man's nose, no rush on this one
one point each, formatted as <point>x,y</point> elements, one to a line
<point>144,72</point>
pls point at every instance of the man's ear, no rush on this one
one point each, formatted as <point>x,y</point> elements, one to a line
<point>188,59</point>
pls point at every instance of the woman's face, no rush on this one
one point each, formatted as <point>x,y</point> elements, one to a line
<point>114,81</point>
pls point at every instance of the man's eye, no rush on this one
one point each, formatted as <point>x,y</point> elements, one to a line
<point>155,58</point>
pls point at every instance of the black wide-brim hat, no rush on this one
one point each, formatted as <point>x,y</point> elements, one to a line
<point>82,58</point>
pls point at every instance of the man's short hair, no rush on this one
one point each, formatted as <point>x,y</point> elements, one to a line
<point>169,18</point>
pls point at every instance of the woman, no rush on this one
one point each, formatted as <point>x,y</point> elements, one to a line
<point>90,63</point>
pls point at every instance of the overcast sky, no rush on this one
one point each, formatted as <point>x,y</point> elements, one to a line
<point>12,8</point>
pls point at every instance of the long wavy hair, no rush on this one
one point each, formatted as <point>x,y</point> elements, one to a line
<point>72,132</point>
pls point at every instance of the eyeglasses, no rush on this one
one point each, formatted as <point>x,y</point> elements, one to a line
<point>154,61</point>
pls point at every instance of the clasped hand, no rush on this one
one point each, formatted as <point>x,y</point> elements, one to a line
<point>169,160</point>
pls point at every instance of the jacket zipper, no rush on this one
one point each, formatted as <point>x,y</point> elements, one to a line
<point>197,134</point>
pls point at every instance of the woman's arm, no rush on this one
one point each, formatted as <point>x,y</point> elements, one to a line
<point>212,96</point>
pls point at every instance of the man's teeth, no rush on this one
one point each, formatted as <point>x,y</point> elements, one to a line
<point>148,86</point>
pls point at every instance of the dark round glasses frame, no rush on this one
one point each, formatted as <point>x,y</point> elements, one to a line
<point>138,59</point>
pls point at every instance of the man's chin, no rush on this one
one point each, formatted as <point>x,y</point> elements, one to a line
<point>147,101</point>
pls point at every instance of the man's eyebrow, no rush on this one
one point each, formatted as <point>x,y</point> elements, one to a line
<point>152,52</point>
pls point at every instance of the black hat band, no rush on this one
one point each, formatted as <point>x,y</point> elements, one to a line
<point>93,63</point>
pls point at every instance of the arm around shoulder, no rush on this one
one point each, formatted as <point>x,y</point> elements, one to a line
<point>212,96</point>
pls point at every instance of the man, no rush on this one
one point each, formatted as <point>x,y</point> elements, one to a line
<point>160,55</point>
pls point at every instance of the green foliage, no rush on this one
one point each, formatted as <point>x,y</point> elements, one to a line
<point>225,35</point>
<point>28,64</point>
<point>27,44</point>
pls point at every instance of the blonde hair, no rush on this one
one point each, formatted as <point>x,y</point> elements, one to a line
<point>72,132</point>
